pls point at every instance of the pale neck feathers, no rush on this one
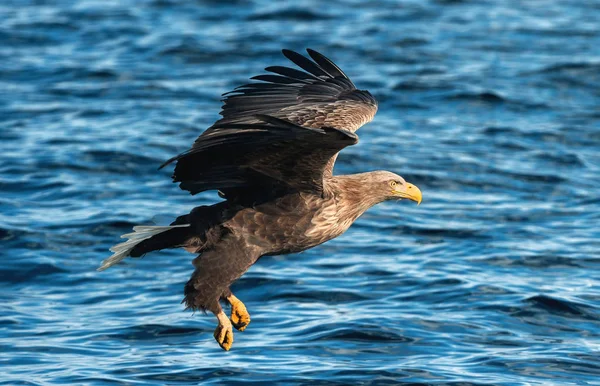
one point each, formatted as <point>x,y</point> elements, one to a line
<point>354,193</point>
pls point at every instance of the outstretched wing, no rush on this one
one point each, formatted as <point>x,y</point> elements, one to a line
<point>242,159</point>
<point>321,95</point>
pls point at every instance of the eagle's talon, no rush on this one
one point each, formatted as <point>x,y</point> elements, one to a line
<point>224,334</point>
<point>240,318</point>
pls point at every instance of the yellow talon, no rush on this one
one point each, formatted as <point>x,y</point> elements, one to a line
<point>224,333</point>
<point>240,318</point>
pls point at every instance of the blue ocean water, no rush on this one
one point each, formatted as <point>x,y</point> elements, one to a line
<point>490,107</point>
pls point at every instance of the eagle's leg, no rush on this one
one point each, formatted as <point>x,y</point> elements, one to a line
<point>224,332</point>
<point>200,294</point>
<point>240,318</point>
<point>216,269</point>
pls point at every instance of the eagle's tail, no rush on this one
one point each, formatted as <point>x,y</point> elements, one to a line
<point>145,239</point>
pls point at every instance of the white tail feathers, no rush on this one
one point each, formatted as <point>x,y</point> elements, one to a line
<point>139,234</point>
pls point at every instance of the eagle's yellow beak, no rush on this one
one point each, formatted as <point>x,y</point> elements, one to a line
<point>411,192</point>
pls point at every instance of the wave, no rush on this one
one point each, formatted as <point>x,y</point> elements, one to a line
<point>30,275</point>
<point>291,14</point>
<point>560,307</point>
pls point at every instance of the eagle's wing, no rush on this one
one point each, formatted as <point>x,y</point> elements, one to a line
<point>259,158</point>
<point>320,96</point>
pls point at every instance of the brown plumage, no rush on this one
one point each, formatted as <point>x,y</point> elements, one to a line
<point>271,157</point>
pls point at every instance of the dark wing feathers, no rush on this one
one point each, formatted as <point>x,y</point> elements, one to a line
<point>291,73</point>
<point>320,95</point>
<point>259,156</point>
<point>327,64</point>
<point>282,132</point>
<point>306,64</point>
<point>278,79</point>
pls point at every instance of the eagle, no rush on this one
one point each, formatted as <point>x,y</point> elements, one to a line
<point>271,159</point>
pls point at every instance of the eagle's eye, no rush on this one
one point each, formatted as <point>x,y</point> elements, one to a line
<point>393,184</point>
